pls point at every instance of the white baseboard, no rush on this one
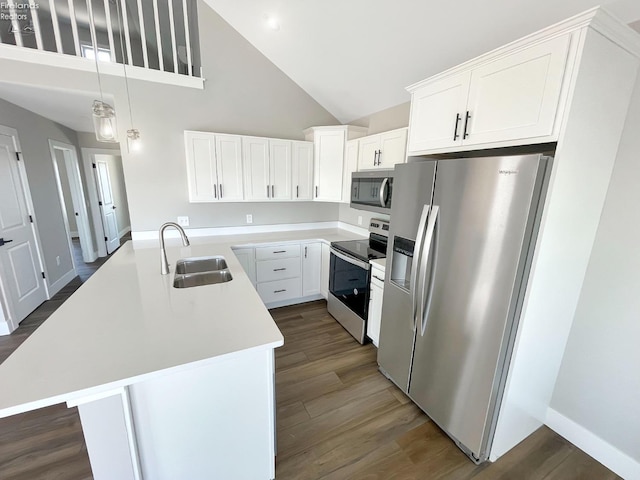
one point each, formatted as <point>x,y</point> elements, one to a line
<point>61,282</point>
<point>124,231</point>
<point>293,301</point>
<point>93,256</point>
<point>612,458</point>
<point>245,229</point>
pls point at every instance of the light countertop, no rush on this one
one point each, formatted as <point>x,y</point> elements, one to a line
<point>380,263</point>
<point>127,323</point>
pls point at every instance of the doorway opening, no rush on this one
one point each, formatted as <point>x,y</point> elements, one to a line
<point>108,194</point>
<point>73,204</point>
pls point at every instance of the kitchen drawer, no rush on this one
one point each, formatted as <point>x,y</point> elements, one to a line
<point>278,269</point>
<point>280,290</point>
<point>278,251</point>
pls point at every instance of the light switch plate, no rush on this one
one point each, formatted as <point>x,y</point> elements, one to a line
<point>249,218</point>
<point>183,221</point>
<point>359,219</point>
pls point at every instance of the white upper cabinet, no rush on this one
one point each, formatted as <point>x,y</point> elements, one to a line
<point>382,151</point>
<point>517,96</point>
<point>280,169</point>
<point>350,166</point>
<point>229,167</point>
<point>329,160</point>
<point>437,109</point>
<point>255,158</point>
<point>214,167</point>
<point>302,170</point>
<point>267,168</point>
<point>508,99</point>
<point>329,156</point>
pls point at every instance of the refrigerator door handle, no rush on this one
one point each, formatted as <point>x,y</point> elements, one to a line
<point>383,192</point>
<point>415,263</point>
<point>432,231</point>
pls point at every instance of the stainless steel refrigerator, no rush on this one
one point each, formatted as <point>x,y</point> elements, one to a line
<point>460,247</point>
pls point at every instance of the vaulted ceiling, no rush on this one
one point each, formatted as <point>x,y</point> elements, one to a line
<point>355,57</point>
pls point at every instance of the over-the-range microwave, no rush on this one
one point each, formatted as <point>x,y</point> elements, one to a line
<point>372,190</point>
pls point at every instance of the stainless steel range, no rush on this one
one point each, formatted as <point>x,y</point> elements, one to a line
<point>350,276</point>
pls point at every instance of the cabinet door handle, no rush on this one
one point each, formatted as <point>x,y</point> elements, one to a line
<point>316,191</point>
<point>280,251</point>
<point>466,124</point>
<point>279,269</point>
<point>455,130</point>
<point>297,191</point>
<point>268,196</point>
<point>220,190</point>
<point>273,191</point>
<point>305,252</point>
<point>280,291</point>
<point>215,190</point>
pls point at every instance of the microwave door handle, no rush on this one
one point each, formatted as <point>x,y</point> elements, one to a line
<point>425,303</point>
<point>382,194</point>
<point>415,263</point>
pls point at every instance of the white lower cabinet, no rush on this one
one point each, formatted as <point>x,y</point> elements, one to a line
<point>375,304</point>
<point>325,260</point>
<point>311,263</point>
<point>247,258</point>
<point>285,274</point>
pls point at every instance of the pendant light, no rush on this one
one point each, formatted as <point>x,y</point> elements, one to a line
<point>104,116</point>
<point>133,134</point>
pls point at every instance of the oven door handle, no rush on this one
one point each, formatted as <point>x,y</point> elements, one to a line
<point>383,192</point>
<point>351,260</point>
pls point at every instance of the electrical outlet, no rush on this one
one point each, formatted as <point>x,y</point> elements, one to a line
<point>359,219</point>
<point>58,260</point>
<point>183,221</point>
<point>249,218</point>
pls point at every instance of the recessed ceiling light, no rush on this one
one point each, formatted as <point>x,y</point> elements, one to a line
<point>272,23</point>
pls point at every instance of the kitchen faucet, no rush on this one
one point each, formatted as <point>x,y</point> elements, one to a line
<point>164,265</point>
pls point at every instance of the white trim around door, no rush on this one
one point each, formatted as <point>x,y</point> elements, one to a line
<point>77,198</point>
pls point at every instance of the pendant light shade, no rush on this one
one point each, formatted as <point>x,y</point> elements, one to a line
<point>104,122</point>
<point>135,143</point>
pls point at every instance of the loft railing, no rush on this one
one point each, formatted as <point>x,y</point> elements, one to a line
<point>154,34</point>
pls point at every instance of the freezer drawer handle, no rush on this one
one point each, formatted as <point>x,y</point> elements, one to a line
<point>280,291</point>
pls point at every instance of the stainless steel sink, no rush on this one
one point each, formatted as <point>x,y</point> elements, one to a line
<point>187,280</point>
<point>200,264</point>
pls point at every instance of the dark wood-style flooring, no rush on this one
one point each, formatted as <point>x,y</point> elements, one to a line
<point>338,418</point>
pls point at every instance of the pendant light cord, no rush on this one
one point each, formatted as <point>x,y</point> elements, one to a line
<point>95,47</point>
<point>124,65</point>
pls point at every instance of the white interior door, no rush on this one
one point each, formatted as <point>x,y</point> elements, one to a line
<point>20,272</point>
<point>108,209</point>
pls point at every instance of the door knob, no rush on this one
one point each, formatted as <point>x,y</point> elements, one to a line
<point>3,241</point>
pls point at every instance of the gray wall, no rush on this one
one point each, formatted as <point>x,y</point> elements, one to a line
<point>598,386</point>
<point>388,119</point>
<point>118,190</point>
<point>350,215</point>
<point>34,132</point>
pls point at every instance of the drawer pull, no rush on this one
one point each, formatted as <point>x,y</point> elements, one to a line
<point>378,278</point>
<point>279,269</point>
<point>280,291</point>
<point>280,251</point>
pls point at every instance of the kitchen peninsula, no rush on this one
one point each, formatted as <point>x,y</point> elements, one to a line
<point>169,382</point>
